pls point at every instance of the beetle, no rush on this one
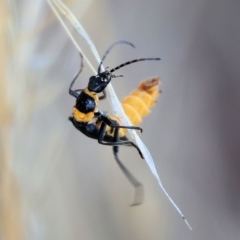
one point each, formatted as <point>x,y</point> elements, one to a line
<point>104,127</point>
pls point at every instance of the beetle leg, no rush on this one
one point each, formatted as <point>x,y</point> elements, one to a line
<point>139,194</point>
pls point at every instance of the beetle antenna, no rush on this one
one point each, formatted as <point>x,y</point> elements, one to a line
<point>71,92</point>
<point>110,48</point>
<point>133,61</point>
<point>114,76</point>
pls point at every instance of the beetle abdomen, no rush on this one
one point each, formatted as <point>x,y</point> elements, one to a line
<point>137,104</point>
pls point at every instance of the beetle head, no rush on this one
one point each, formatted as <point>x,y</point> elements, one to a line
<point>99,82</point>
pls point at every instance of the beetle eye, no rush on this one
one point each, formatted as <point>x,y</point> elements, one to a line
<point>105,76</point>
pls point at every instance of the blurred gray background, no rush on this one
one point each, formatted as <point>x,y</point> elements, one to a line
<point>71,187</point>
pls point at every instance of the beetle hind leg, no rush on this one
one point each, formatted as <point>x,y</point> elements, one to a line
<point>139,193</point>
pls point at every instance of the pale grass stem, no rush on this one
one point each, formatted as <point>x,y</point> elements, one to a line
<point>58,7</point>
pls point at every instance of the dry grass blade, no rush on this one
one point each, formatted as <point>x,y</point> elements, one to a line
<point>58,7</point>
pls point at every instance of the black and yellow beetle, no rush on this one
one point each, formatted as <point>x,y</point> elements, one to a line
<point>106,128</point>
